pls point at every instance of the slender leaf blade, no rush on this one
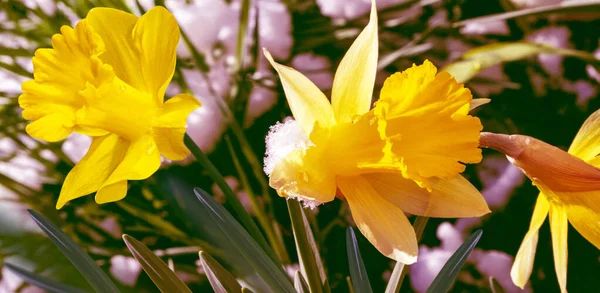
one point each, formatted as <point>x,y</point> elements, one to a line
<point>447,275</point>
<point>162,276</point>
<point>358,272</point>
<point>42,282</point>
<point>99,281</point>
<point>300,283</point>
<point>303,246</point>
<point>221,280</point>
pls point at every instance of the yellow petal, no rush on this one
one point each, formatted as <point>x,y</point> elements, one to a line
<point>141,51</point>
<point>175,111</point>
<point>95,167</point>
<point>354,80</point>
<point>379,220</point>
<point>59,74</point>
<point>170,142</point>
<point>116,27</point>
<point>449,198</point>
<point>156,36</point>
<point>118,108</point>
<point>302,174</point>
<point>422,114</point>
<point>586,144</point>
<point>308,104</point>
<point>583,210</point>
<point>559,227</point>
<point>141,160</point>
<point>523,265</point>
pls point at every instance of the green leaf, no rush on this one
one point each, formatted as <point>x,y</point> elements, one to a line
<point>221,280</point>
<point>567,7</point>
<point>42,282</point>
<point>358,272</point>
<point>99,281</point>
<point>300,283</point>
<point>445,278</point>
<point>478,59</point>
<point>303,246</point>
<point>162,276</point>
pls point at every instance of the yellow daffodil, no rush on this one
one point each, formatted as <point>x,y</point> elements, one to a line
<point>569,184</point>
<point>107,78</point>
<point>405,154</point>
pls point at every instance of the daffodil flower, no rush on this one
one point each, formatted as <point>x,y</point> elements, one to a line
<point>107,78</point>
<point>404,155</point>
<point>569,184</point>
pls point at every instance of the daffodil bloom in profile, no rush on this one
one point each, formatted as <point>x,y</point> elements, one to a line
<point>404,155</point>
<point>106,78</point>
<point>569,184</point>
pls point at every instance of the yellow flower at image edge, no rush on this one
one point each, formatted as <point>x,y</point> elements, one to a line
<point>106,78</point>
<point>569,184</point>
<point>404,155</point>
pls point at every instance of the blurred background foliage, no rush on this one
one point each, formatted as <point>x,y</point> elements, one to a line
<point>544,90</point>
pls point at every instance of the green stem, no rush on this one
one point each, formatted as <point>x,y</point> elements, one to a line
<point>305,253</point>
<point>263,219</point>
<point>400,271</point>
<point>231,198</point>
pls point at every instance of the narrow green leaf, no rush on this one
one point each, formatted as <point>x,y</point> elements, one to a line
<point>306,257</point>
<point>239,251</point>
<point>42,282</point>
<point>567,7</point>
<point>483,57</point>
<point>445,278</point>
<point>231,198</point>
<point>300,283</point>
<point>358,272</point>
<point>495,286</point>
<point>221,280</point>
<point>83,262</point>
<point>162,276</point>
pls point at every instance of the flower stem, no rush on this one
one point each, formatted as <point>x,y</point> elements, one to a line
<point>231,198</point>
<point>400,271</point>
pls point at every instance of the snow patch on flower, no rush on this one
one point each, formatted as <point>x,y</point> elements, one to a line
<point>283,138</point>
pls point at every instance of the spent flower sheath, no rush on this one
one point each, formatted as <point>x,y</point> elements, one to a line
<point>404,155</point>
<point>107,78</point>
<point>569,184</point>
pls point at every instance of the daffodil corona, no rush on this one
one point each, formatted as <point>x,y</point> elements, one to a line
<point>107,78</point>
<point>569,184</point>
<point>404,155</point>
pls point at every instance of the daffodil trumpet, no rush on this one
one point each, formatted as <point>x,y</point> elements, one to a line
<point>569,184</point>
<point>403,155</point>
<point>107,78</point>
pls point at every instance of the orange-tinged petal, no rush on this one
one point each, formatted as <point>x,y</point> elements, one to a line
<point>354,79</point>
<point>170,142</point>
<point>156,36</point>
<point>302,174</point>
<point>523,265</point>
<point>141,160</point>
<point>104,155</point>
<point>59,74</point>
<point>559,227</point>
<point>586,144</point>
<point>175,111</point>
<point>308,104</point>
<point>425,117</point>
<point>545,164</point>
<point>379,220</point>
<point>449,198</point>
<point>141,51</point>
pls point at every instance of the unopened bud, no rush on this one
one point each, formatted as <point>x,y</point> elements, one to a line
<point>543,163</point>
